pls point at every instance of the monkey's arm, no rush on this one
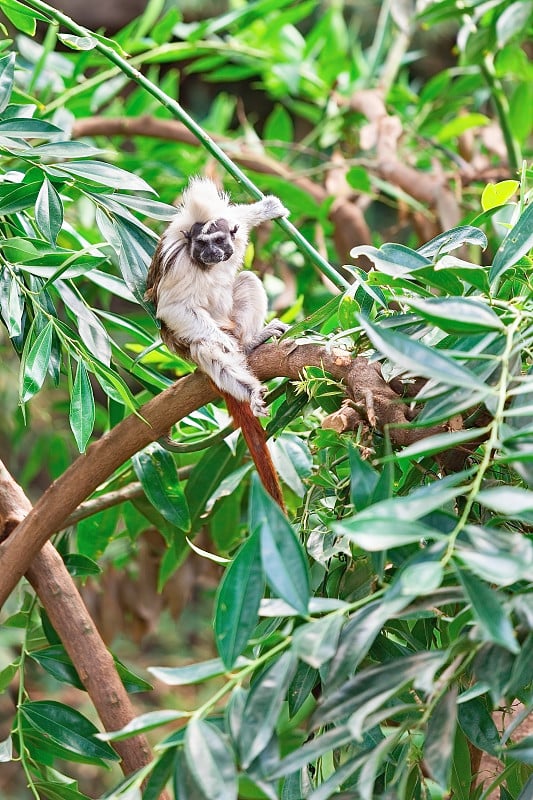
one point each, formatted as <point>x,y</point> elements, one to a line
<point>249,312</point>
<point>249,215</point>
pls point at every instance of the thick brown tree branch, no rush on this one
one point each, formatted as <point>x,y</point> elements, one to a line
<point>93,662</point>
<point>155,419</point>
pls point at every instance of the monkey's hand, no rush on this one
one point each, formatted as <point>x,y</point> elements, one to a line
<point>272,207</point>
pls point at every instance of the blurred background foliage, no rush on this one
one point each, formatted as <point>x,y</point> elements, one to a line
<point>374,123</point>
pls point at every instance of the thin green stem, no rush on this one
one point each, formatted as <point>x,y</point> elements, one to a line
<point>205,140</point>
<point>501,105</point>
<point>493,440</point>
<point>239,677</point>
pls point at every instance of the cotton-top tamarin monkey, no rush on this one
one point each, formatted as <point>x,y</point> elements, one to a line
<point>210,312</point>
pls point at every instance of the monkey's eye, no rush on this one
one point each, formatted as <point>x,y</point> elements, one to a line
<point>234,230</point>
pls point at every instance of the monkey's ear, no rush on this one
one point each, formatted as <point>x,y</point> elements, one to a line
<point>187,235</point>
<point>234,230</point>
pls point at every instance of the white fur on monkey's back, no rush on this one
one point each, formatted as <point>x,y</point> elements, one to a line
<point>213,315</point>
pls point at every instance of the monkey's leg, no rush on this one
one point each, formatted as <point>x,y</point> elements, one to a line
<point>227,368</point>
<point>249,312</point>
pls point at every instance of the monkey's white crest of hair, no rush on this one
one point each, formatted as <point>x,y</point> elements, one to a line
<point>202,200</point>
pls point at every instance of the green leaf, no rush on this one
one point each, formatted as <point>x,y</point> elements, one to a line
<point>15,309</point>
<point>194,673</point>
<point>157,472</point>
<point>497,194</point>
<point>516,244</point>
<point>419,359</point>
<point>459,125</point>
<point>363,479</point>
<point>512,21</point>
<point>382,533</point>
<point>440,737</point>
<point>522,750</point>
<point>283,557</point>
<point>374,681</point>
<point>69,729</point>
<point>57,662</point>
<point>393,259</point>
<point>237,603</point>
<point>59,790</point>
<point>26,127</point>
<point>142,724</point>
<point>452,239</point>
<point>263,706</point>
<point>316,642</point>
<point>23,18</point>
<point>49,211</point>
<point>457,315</point>
<point>82,408</point>
<point>7,76</point>
<point>211,761</point>
<point>511,500</point>
<point>35,363</point>
<point>439,443</point>
<point>358,635</point>
<point>477,724</point>
<point>102,173</point>
<point>492,617</point>
<point>78,42</point>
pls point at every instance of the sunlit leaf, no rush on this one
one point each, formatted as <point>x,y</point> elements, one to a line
<point>496,194</point>
<point>35,363</point>
<point>516,244</point>
<point>49,211</point>
<point>7,75</point>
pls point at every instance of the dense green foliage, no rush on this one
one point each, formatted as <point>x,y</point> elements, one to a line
<point>363,643</point>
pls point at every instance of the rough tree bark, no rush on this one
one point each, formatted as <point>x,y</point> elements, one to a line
<point>93,662</point>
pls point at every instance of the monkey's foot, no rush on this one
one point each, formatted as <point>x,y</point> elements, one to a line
<point>274,328</point>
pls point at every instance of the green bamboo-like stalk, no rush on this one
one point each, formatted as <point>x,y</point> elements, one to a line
<point>205,140</point>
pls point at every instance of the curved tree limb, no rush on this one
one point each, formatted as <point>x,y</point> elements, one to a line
<point>93,662</point>
<point>155,419</point>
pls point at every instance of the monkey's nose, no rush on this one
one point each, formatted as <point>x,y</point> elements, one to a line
<point>214,255</point>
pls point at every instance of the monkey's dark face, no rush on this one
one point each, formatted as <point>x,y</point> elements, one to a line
<point>210,243</point>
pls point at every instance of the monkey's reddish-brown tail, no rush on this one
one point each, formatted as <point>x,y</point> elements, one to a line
<point>254,436</point>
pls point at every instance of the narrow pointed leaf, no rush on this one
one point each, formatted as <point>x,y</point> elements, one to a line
<point>49,211</point>
<point>263,706</point>
<point>211,761</point>
<point>238,599</point>
<point>36,363</point>
<point>516,244</point>
<point>419,359</point>
<point>438,747</point>
<point>489,612</point>
<point>283,557</point>
<point>156,470</point>
<point>7,76</point>
<point>82,408</point>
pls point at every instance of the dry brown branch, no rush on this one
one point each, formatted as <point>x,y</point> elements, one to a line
<point>155,420</point>
<point>383,132</point>
<point>93,662</point>
<point>350,228</point>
